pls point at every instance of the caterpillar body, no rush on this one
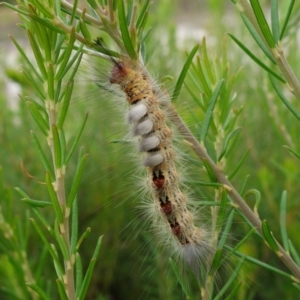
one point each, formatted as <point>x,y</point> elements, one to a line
<point>155,142</point>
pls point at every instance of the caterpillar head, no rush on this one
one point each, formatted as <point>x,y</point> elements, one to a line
<point>118,73</point>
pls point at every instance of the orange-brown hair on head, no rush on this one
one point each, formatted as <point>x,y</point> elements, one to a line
<point>118,73</point>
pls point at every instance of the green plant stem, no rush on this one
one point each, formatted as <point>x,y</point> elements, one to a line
<point>245,8</point>
<point>278,53</point>
<point>206,293</point>
<point>232,192</point>
<point>287,72</point>
<point>88,17</point>
<point>59,187</point>
<point>68,29</point>
<point>108,25</point>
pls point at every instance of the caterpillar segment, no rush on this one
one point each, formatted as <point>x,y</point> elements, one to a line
<point>159,158</point>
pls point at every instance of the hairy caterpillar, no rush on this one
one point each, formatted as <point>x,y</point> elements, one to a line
<point>172,215</point>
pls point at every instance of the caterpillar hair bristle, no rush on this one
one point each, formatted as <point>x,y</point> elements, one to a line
<point>169,211</point>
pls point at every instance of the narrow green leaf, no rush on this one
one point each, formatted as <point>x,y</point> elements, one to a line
<point>123,141</point>
<point>78,56</point>
<point>216,262</point>
<point>285,101</point>
<point>262,264</point>
<point>92,3</point>
<point>38,290</point>
<point>74,226</point>
<point>292,151</point>
<point>225,233</point>
<point>57,147</point>
<point>78,274</point>
<point>74,10</point>
<point>198,80</point>
<point>195,98</point>
<point>230,280</point>
<point>47,244</point>
<point>178,275</point>
<point>294,253</point>
<point>142,14</point>
<point>61,290</point>
<point>129,13</point>
<point>54,199</point>
<point>56,264</point>
<point>30,65</point>
<point>210,109</point>
<point>223,208</point>
<point>274,20</point>
<point>40,107</point>
<point>115,4</point>
<point>244,184</point>
<point>207,62</point>
<point>34,82</point>
<point>63,143</point>
<point>47,11</point>
<point>269,236</point>
<point>44,221</point>
<point>76,141</point>
<point>210,172</point>
<point>89,272</point>
<point>15,8</point>
<point>239,164</point>
<point>38,118</point>
<point>254,58</point>
<point>42,155</point>
<point>47,23</point>
<point>57,7</point>
<point>233,293</point>
<point>183,73</point>
<point>124,30</point>
<point>226,142</point>
<point>50,87</point>
<point>36,203</point>
<point>82,237</point>
<point>143,36</point>
<point>76,181</point>
<point>54,37</point>
<point>57,48</point>
<point>41,34</point>
<point>282,222</point>
<point>61,242</point>
<point>85,31</point>
<point>258,39</point>
<point>66,56</point>
<point>204,183</point>
<point>37,54</point>
<point>287,18</point>
<point>22,193</point>
<point>257,196</point>
<point>65,104</point>
<point>262,22</point>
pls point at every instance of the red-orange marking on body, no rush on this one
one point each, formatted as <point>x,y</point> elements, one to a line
<point>166,207</point>
<point>159,182</point>
<point>176,228</point>
<point>118,73</point>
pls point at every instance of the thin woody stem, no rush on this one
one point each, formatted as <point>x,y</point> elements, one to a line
<point>232,192</point>
<point>292,81</point>
<point>79,13</point>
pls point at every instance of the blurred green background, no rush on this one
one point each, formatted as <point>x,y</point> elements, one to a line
<point>129,265</point>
